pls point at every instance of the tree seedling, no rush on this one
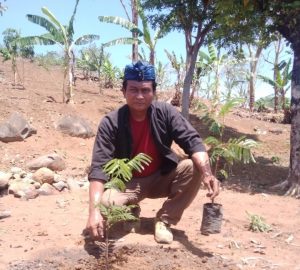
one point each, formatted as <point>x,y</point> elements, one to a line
<point>223,154</point>
<point>120,171</point>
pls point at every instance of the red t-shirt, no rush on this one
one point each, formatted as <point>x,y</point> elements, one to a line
<point>143,142</point>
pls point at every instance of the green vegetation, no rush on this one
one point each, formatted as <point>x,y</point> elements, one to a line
<point>12,50</point>
<point>49,59</point>
<point>223,154</point>
<point>258,223</point>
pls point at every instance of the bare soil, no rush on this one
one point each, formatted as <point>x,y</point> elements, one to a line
<point>46,232</point>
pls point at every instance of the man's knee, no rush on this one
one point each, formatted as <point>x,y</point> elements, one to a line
<point>187,166</point>
<point>110,197</point>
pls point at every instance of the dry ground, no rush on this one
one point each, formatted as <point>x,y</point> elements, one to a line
<point>45,233</point>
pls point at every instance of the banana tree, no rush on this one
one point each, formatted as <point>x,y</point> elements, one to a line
<point>125,24</point>
<point>64,37</point>
<point>214,62</point>
<point>143,36</point>
<point>281,82</point>
<point>179,65</point>
<point>10,50</point>
<point>148,40</point>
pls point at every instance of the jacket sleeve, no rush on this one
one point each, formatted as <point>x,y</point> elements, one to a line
<point>183,133</point>
<point>104,148</point>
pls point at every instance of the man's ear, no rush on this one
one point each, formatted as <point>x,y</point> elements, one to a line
<point>123,91</point>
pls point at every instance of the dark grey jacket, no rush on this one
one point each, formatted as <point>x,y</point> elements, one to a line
<point>113,138</point>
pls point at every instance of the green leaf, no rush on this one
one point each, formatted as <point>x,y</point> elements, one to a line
<point>229,105</point>
<point>43,22</point>
<point>35,40</point>
<point>53,19</point>
<point>85,39</point>
<point>122,22</point>
<point>121,41</point>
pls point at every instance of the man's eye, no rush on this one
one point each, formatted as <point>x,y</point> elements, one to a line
<point>146,91</point>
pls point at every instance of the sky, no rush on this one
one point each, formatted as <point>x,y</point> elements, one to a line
<point>86,22</point>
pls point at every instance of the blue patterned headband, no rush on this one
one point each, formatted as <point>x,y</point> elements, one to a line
<point>139,71</point>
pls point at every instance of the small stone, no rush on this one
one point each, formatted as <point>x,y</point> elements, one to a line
<point>44,175</point>
<point>47,189</point>
<point>5,214</point>
<point>16,170</point>
<point>60,185</point>
<point>4,179</point>
<point>72,184</point>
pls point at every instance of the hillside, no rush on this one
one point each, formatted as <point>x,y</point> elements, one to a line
<point>45,232</point>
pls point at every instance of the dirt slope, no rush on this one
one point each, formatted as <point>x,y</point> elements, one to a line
<point>45,233</point>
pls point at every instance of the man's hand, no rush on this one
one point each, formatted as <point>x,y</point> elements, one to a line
<point>95,225</point>
<point>95,222</point>
<point>213,186</point>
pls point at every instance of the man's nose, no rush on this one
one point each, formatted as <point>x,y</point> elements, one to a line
<point>139,94</point>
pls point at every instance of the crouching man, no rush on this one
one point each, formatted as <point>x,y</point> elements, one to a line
<point>143,125</point>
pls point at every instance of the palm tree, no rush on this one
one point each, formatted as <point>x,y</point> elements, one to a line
<point>62,36</point>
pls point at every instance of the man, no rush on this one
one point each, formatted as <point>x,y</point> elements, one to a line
<point>146,126</point>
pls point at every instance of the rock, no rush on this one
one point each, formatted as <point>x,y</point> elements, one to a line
<point>4,214</point>
<point>43,175</point>
<point>276,131</point>
<point>16,170</point>
<point>52,161</point>
<point>9,134</point>
<point>22,190</point>
<point>47,189</point>
<point>260,131</point>
<point>72,184</point>
<point>37,185</point>
<point>75,126</point>
<point>60,185</point>
<point>86,185</point>
<point>17,177</point>
<point>15,129</point>
<point>4,179</point>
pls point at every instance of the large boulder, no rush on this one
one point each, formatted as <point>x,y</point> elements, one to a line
<point>52,161</point>
<point>44,175</point>
<point>75,126</point>
<point>16,128</point>
<point>4,179</point>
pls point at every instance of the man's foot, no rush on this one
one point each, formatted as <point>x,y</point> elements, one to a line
<point>132,226</point>
<point>163,233</point>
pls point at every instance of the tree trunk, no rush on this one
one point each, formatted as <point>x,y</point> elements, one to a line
<point>252,79</point>
<point>69,93</point>
<point>135,53</point>
<point>275,74</point>
<point>152,57</point>
<point>294,170</point>
<point>191,58</point>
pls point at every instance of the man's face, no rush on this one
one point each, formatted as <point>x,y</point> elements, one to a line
<point>139,95</point>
